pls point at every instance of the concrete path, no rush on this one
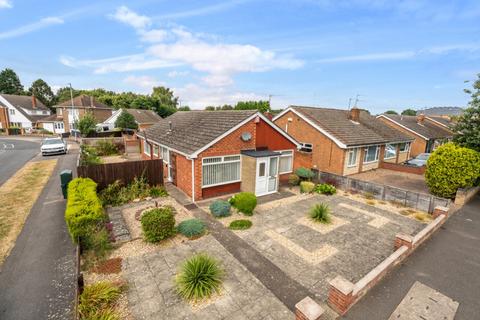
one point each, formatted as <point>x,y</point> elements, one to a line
<point>14,153</point>
<point>449,263</point>
<point>37,280</point>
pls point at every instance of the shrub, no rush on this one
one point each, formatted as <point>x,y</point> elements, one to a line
<point>158,224</point>
<point>158,191</point>
<point>84,209</point>
<point>304,173</point>
<point>451,167</point>
<point>88,156</point>
<point>240,224</point>
<point>97,301</point>
<point>220,208</point>
<point>369,196</point>
<point>245,202</point>
<point>106,148</point>
<point>325,188</point>
<point>320,213</point>
<point>306,186</point>
<point>200,277</point>
<point>111,194</point>
<point>97,239</point>
<point>191,228</point>
<point>139,188</point>
<point>293,179</point>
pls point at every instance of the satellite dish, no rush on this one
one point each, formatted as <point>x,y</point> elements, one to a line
<point>246,136</point>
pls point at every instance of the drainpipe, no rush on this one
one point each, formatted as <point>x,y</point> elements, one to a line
<point>193,180</point>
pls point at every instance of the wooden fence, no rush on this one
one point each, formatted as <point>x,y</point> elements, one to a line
<point>105,174</point>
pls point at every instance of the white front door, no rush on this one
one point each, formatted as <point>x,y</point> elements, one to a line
<point>267,176</point>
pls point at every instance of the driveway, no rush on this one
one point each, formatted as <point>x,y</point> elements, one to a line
<point>402,180</point>
<point>449,263</point>
<point>14,153</point>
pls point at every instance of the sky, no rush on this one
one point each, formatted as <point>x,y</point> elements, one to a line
<point>388,54</point>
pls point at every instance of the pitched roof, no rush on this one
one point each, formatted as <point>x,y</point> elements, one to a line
<point>52,118</point>
<point>84,101</point>
<point>337,123</point>
<point>26,102</point>
<point>445,121</point>
<point>144,116</point>
<point>426,129</point>
<point>441,111</point>
<point>192,130</point>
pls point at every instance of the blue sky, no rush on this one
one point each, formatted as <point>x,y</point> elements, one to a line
<point>395,54</point>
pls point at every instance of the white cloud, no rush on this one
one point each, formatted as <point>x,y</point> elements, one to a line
<point>42,23</point>
<point>5,4</point>
<point>131,18</point>
<point>155,35</point>
<point>145,82</point>
<point>176,74</point>
<point>218,7</point>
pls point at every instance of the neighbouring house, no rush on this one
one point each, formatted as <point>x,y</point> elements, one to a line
<point>344,142</point>
<point>210,153</point>
<point>427,132</point>
<point>52,123</point>
<point>21,111</point>
<point>143,118</point>
<point>70,111</point>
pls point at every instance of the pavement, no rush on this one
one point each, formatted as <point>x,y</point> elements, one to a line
<point>449,263</point>
<point>14,153</point>
<point>37,280</point>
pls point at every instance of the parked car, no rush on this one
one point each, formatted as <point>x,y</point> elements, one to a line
<point>419,161</point>
<point>53,146</point>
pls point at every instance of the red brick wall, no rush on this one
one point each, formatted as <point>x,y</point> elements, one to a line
<point>220,190</point>
<point>270,138</point>
<point>184,174</point>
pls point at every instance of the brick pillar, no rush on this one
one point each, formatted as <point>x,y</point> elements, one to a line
<point>440,210</point>
<point>360,163</point>
<point>402,239</point>
<point>340,295</point>
<point>307,309</point>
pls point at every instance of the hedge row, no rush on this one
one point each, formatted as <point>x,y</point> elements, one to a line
<point>84,210</point>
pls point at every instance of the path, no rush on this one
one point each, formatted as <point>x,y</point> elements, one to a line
<point>449,263</point>
<point>14,153</point>
<point>37,280</point>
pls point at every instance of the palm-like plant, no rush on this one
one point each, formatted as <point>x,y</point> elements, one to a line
<point>320,213</point>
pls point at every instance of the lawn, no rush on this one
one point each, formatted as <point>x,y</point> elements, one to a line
<point>17,197</point>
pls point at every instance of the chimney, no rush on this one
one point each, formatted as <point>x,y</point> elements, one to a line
<point>355,114</point>
<point>420,118</point>
<point>34,102</point>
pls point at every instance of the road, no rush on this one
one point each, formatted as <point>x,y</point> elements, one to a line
<point>37,280</point>
<point>14,153</point>
<point>449,263</point>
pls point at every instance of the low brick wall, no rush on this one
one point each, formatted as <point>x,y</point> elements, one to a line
<point>403,168</point>
<point>465,194</point>
<point>343,294</point>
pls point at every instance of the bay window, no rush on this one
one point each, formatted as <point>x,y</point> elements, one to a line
<point>352,158</point>
<point>220,170</point>
<point>404,146</point>
<point>286,162</point>
<point>390,151</point>
<point>371,154</point>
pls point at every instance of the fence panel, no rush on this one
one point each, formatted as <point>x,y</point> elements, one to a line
<point>105,174</point>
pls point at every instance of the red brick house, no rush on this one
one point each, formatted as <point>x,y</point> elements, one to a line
<point>210,153</point>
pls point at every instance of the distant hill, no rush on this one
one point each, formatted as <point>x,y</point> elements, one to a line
<point>441,111</point>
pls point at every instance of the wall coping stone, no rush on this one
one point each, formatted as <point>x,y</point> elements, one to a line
<point>309,308</point>
<point>342,285</point>
<point>404,236</point>
<point>431,226</point>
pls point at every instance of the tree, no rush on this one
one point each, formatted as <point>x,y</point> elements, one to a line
<point>10,82</point>
<point>43,92</point>
<point>226,107</point>
<point>184,108</point>
<point>409,112</point>
<point>63,94</point>
<point>391,112</point>
<point>126,121</point>
<point>86,124</point>
<point>262,106</point>
<point>467,128</point>
<point>210,108</point>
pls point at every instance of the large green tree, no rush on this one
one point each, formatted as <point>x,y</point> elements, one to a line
<point>10,82</point>
<point>391,112</point>
<point>86,124</point>
<point>43,92</point>
<point>409,112</point>
<point>467,129</point>
<point>126,121</point>
<point>262,106</point>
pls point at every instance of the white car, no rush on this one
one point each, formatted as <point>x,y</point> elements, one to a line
<point>53,146</point>
<point>420,160</point>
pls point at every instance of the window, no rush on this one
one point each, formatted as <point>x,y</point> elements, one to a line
<point>12,111</point>
<point>165,155</point>
<point>286,161</point>
<point>371,154</point>
<point>155,150</point>
<point>404,147</point>
<point>220,170</point>
<point>307,147</point>
<point>58,125</point>
<point>352,158</point>
<point>146,147</point>
<point>390,151</point>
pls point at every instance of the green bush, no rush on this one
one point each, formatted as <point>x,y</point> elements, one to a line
<point>97,239</point>
<point>111,194</point>
<point>89,155</point>
<point>139,188</point>
<point>191,228</point>
<point>106,148</point>
<point>97,301</point>
<point>220,208</point>
<point>240,224</point>
<point>451,167</point>
<point>325,188</point>
<point>293,180</point>
<point>306,186</point>
<point>245,202</point>
<point>158,224</point>
<point>320,213</point>
<point>115,194</point>
<point>304,173</point>
<point>158,191</point>
<point>84,209</point>
<point>199,278</point>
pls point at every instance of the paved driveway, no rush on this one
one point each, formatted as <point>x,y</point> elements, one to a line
<point>406,181</point>
<point>14,153</point>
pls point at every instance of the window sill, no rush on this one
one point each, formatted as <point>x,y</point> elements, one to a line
<point>390,158</point>
<point>220,184</point>
<point>352,166</point>
<point>369,162</point>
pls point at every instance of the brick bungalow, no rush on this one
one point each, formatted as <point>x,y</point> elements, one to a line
<point>344,142</point>
<point>428,132</point>
<point>210,153</point>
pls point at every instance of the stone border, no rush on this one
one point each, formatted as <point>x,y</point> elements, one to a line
<point>464,195</point>
<point>343,294</point>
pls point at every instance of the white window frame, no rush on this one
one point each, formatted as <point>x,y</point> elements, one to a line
<point>407,147</point>
<point>377,152</point>
<point>156,147</point>
<point>220,162</point>
<point>286,155</point>
<point>145,146</point>
<point>165,151</point>
<point>11,112</point>
<point>353,151</point>
<point>308,147</point>
<point>394,154</point>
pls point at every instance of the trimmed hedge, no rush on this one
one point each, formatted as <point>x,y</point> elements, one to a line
<point>245,202</point>
<point>84,210</point>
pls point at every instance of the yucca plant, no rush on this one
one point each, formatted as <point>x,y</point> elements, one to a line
<point>320,213</point>
<point>199,278</point>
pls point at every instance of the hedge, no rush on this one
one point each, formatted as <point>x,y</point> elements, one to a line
<point>84,210</point>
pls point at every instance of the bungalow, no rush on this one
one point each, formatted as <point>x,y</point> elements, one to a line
<point>210,153</point>
<point>344,142</point>
<point>21,111</point>
<point>143,118</point>
<point>428,132</point>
